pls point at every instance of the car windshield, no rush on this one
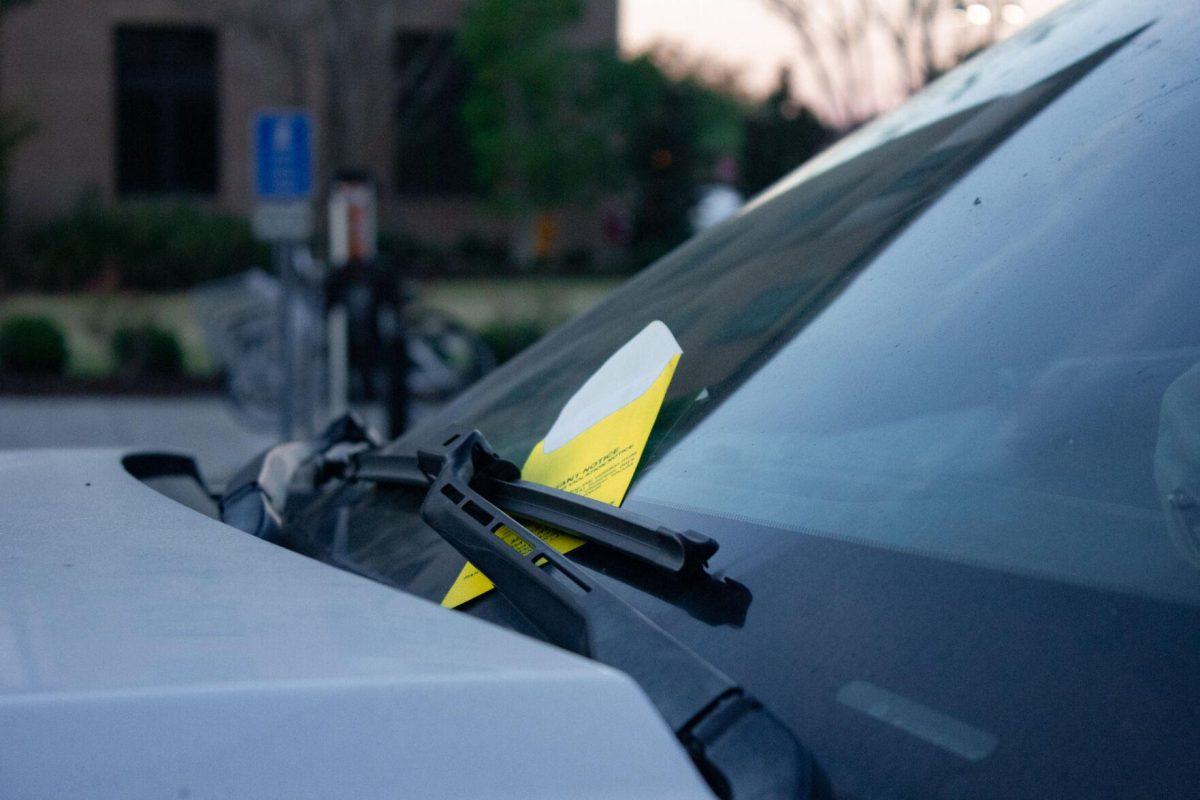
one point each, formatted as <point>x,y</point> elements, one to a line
<point>1014,380</point>
<point>939,399</point>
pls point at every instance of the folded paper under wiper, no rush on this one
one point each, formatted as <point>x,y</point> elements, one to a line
<point>675,552</point>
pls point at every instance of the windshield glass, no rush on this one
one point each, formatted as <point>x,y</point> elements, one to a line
<point>939,400</point>
<point>1005,381</point>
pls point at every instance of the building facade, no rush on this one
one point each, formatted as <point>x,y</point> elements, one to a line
<point>153,100</point>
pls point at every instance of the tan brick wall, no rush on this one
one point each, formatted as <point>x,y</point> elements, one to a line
<point>57,68</point>
<point>55,72</point>
<point>58,64</point>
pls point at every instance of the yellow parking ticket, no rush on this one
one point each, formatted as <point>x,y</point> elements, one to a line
<point>595,445</point>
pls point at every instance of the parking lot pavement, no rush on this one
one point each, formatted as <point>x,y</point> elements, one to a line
<point>205,427</point>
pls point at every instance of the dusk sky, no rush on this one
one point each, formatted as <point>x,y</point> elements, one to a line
<point>742,34</point>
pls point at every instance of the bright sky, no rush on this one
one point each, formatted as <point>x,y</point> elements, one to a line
<point>739,33</point>
<point>742,34</point>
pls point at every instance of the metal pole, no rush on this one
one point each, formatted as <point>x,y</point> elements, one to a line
<point>283,265</point>
<point>397,355</point>
<point>339,372</point>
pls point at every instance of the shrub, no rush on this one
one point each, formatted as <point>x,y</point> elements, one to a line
<point>480,255</point>
<point>144,246</point>
<point>71,251</point>
<point>32,346</point>
<point>507,339</point>
<point>147,350</point>
<point>578,261</point>
<point>413,257</point>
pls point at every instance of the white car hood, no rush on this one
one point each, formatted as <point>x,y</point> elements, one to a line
<point>148,651</point>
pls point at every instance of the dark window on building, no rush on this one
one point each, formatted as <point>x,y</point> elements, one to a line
<point>166,110</point>
<point>433,150</point>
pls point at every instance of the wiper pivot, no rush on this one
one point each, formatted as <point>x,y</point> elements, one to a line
<point>254,499</point>
<point>681,553</point>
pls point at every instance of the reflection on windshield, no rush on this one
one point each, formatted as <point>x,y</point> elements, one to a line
<point>738,293</point>
<point>985,393</point>
<point>1177,462</point>
<point>954,388</point>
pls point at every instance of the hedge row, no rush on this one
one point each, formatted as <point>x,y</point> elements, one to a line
<point>34,345</point>
<point>149,247</point>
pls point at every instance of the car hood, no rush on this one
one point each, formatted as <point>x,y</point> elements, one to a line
<point>147,650</point>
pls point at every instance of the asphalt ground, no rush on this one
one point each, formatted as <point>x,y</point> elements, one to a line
<point>206,427</point>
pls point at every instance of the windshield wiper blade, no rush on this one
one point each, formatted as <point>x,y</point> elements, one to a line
<point>682,553</point>
<point>740,747</point>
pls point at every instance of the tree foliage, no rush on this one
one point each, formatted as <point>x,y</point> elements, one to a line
<point>679,128</point>
<point>142,246</point>
<point>551,124</point>
<point>540,111</point>
<point>781,135</point>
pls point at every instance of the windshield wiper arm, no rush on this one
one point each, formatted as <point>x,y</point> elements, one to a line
<point>254,498</point>
<point>740,747</point>
<point>683,553</point>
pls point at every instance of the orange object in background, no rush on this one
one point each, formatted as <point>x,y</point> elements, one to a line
<point>546,235</point>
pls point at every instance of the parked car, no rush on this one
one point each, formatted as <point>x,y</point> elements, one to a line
<point>938,404</point>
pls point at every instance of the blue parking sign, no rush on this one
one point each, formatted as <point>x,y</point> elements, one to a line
<point>283,155</point>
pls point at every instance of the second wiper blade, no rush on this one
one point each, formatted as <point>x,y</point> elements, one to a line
<point>680,553</point>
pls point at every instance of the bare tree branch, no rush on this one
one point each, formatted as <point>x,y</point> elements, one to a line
<point>799,16</point>
<point>343,46</point>
<point>838,38</point>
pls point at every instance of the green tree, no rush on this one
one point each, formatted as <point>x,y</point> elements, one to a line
<point>540,112</point>
<point>780,136</point>
<point>552,125</point>
<point>679,128</point>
